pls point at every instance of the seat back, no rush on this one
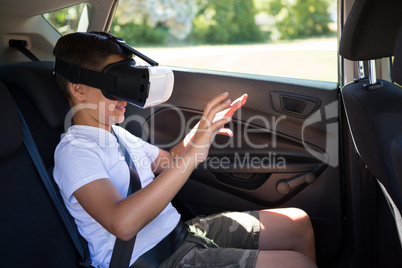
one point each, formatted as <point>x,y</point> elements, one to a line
<point>374,118</point>
<point>374,107</point>
<point>31,231</point>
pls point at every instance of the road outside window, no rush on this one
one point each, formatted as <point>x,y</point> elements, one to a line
<point>284,38</point>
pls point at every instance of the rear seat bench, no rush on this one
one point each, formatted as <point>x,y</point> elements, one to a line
<point>32,233</point>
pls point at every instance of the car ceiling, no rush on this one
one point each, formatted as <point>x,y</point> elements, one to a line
<point>22,20</point>
<point>38,7</point>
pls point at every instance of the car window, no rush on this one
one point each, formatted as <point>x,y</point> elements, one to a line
<point>292,38</point>
<point>70,19</point>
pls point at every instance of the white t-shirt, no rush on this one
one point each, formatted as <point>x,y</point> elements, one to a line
<point>86,154</point>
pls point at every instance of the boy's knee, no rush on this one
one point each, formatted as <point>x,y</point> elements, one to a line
<point>298,216</point>
<point>300,260</point>
<point>294,221</point>
<point>301,224</point>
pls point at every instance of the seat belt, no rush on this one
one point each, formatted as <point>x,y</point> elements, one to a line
<point>54,194</point>
<point>123,250</point>
<point>21,45</point>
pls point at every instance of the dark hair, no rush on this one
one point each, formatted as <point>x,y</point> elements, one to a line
<point>88,50</point>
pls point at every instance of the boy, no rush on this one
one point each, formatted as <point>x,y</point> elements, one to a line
<point>93,178</point>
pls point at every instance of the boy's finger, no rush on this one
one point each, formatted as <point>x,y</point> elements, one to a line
<point>215,101</point>
<point>227,113</point>
<point>236,105</point>
<point>220,115</point>
<point>233,107</point>
<point>216,126</point>
<point>226,132</point>
<point>216,112</point>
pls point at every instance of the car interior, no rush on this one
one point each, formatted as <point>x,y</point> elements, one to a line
<point>331,149</point>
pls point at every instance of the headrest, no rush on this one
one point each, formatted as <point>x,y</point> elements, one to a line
<point>11,131</point>
<point>396,71</point>
<point>36,80</point>
<point>370,29</point>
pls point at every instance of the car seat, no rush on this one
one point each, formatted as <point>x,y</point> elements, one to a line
<point>373,106</point>
<point>32,232</point>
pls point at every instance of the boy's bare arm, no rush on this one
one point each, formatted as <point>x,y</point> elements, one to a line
<point>125,217</point>
<point>162,162</point>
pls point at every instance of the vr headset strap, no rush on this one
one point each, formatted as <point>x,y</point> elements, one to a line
<point>129,49</point>
<point>123,250</point>
<point>79,75</point>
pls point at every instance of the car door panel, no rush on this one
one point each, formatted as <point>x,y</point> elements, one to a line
<point>277,157</point>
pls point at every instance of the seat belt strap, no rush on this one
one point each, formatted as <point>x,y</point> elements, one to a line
<point>123,250</point>
<point>135,182</point>
<point>54,194</point>
<point>20,45</point>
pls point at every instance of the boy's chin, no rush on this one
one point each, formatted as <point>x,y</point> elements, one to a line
<point>117,120</point>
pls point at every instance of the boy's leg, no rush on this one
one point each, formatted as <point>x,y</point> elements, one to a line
<point>244,258</point>
<point>287,229</point>
<point>234,233</point>
<point>280,259</point>
<point>242,230</point>
<point>229,229</point>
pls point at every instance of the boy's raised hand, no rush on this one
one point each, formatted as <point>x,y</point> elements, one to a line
<point>217,113</point>
<point>239,102</point>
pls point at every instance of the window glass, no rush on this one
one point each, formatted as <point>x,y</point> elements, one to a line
<point>287,38</point>
<point>70,19</point>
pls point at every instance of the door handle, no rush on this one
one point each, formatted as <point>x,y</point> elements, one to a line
<point>293,104</point>
<point>286,185</point>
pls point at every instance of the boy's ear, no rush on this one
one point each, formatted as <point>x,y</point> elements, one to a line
<point>77,91</point>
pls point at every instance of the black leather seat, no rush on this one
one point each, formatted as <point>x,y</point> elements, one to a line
<point>32,233</point>
<point>374,106</point>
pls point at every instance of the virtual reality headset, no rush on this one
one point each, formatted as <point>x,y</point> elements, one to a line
<point>142,86</point>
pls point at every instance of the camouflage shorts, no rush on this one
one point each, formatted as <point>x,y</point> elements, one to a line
<point>227,239</point>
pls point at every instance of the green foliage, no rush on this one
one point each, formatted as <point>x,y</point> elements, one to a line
<point>140,34</point>
<point>153,22</point>
<point>300,18</point>
<point>225,21</point>
<point>65,20</point>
